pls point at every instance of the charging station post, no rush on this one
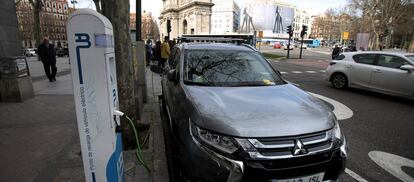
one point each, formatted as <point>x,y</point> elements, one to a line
<point>91,48</point>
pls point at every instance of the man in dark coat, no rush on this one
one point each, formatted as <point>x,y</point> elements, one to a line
<point>47,54</point>
<point>336,51</point>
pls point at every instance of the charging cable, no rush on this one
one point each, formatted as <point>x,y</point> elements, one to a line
<point>138,153</point>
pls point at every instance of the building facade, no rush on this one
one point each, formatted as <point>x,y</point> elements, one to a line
<point>301,18</point>
<point>185,17</point>
<point>225,17</point>
<point>53,18</point>
<point>149,27</point>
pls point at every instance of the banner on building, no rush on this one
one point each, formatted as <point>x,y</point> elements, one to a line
<point>272,19</point>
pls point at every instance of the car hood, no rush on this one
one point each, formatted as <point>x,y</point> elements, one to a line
<point>264,111</point>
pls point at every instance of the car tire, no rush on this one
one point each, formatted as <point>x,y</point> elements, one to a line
<point>339,80</point>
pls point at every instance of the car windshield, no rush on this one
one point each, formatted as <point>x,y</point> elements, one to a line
<point>411,57</point>
<point>228,68</point>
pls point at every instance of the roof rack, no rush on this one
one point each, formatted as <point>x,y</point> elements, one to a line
<point>211,39</point>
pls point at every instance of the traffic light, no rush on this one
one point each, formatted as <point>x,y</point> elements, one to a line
<point>168,26</point>
<point>290,30</point>
<point>304,30</point>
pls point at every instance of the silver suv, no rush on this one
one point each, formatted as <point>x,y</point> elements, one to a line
<point>232,117</point>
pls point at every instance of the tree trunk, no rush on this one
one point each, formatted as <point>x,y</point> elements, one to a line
<point>411,47</point>
<point>97,5</point>
<point>37,9</point>
<point>117,11</point>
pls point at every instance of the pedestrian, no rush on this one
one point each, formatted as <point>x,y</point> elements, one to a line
<point>165,51</point>
<point>157,51</point>
<point>148,51</point>
<point>335,52</point>
<point>47,54</point>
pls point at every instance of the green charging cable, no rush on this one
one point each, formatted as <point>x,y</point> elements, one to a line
<point>138,150</point>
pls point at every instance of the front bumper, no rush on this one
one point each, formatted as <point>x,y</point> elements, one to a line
<point>328,73</point>
<point>204,164</point>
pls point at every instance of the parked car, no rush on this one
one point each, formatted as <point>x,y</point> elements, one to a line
<point>385,72</point>
<point>277,45</point>
<point>29,52</point>
<point>304,46</point>
<point>232,117</point>
<point>285,46</point>
<point>60,52</point>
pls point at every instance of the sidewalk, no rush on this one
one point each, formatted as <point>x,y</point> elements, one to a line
<point>40,139</point>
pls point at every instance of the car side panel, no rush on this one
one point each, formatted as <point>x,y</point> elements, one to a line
<point>360,74</point>
<point>393,80</point>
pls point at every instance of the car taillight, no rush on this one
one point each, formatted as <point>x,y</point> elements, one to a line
<point>332,63</point>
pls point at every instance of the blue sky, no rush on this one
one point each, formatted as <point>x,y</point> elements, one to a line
<point>313,6</point>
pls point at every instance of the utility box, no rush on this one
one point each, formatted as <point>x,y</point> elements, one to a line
<point>93,64</point>
<point>15,81</point>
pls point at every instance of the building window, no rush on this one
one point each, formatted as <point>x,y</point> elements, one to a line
<point>185,27</point>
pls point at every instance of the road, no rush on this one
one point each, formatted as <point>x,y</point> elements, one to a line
<point>379,122</point>
<point>307,54</point>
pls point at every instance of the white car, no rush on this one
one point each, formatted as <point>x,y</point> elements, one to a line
<point>304,46</point>
<point>386,72</point>
<point>30,52</point>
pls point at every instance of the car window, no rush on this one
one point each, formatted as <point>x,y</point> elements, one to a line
<point>365,58</point>
<point>228,68</point>
<point>391,61</point>
<point>411,57</point>
<point>340,57</point>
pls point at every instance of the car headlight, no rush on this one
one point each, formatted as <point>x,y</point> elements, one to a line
<point>225,144</point>
<point>336,131</point>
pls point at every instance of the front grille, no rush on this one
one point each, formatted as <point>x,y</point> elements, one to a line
<point>329,162</point>
<point>283,147</point>
<point>295,162</point>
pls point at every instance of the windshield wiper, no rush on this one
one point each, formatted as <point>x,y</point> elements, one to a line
<point>198,83</point>
<point>252,84</point>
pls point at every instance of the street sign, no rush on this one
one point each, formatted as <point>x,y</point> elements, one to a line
<point>345,35</point>
<point>260,34</point>
<point>91,48</point>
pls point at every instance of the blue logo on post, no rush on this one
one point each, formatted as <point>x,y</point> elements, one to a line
<point>81,38</point>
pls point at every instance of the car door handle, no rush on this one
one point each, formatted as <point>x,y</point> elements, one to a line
<point>349,66</point>
<point>377,71</point>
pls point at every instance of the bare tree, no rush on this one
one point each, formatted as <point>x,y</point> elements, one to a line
<point>98,5</point>
<point>380,15</point>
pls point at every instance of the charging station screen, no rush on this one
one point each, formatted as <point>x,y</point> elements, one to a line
<point>103,40</point>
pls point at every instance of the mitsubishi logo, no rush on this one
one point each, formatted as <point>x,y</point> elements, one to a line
<point>299,148</point>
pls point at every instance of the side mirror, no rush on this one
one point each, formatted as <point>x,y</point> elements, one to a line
<point>407,67</point>
<point>172,75</point>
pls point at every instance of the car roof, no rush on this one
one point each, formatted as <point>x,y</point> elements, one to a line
<point>379,52</point>
<point>217,46</point>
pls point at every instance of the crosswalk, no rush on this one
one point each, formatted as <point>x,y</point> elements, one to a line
<point>303,72</point>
